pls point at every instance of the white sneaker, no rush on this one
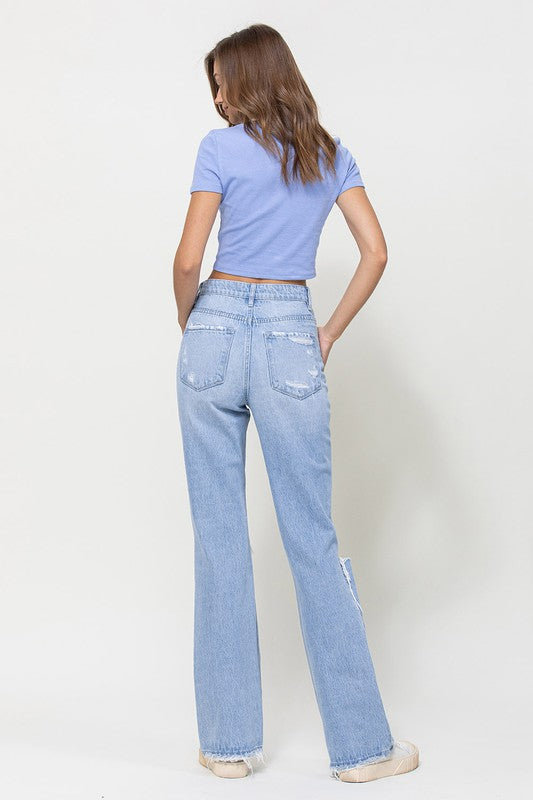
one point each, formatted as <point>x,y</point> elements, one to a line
<point>224,769</point>
<point>402,758</point>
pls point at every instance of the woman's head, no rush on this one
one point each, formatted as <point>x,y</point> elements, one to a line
<point>255,81</point>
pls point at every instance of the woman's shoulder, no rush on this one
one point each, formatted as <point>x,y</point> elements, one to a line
<point>227,132</point>
<point>343,151</point>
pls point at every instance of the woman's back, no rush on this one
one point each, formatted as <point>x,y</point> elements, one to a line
<point>267,229</point>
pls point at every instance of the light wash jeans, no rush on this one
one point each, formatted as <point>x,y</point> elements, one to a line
<point>253,348</point>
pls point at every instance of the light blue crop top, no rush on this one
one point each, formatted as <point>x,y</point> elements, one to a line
<point>267,229</point>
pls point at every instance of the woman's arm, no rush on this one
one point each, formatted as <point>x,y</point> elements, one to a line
<point>366,230</point>
<point>203,208</point>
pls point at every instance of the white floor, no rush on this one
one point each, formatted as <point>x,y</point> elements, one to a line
<point>466,761</point>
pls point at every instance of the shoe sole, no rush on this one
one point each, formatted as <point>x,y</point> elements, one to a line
<point>383,769</point>
<point>225,769</point>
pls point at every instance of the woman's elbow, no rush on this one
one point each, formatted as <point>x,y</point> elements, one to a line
<point>185,263</point>
<point>377,256</point>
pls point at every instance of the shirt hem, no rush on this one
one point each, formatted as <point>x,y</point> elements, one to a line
<point>259,273</point>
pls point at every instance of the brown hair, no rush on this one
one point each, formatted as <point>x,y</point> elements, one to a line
<point>262,81</point>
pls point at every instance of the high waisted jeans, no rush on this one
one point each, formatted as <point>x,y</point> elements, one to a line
<point>252,348</point>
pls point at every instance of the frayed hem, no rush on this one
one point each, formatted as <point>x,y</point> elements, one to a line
<point>383,755</point>
<point>257,753</point>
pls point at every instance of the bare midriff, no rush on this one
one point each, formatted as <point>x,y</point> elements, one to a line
<point>227,277</point>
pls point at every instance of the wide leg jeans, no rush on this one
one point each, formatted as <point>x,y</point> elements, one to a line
<point>252,348</point>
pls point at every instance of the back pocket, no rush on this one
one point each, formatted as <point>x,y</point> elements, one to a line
<point>294,362</point>
<point>204,354</point>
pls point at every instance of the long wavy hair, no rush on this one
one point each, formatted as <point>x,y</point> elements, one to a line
<point>263,82</point>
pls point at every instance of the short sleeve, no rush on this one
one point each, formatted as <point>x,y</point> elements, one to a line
<point>348,170</point>
<point>206,175</point>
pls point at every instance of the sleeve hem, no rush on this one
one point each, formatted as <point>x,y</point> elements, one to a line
<point>220,175</point>
<point>204,189</point>
<point>350,186</point>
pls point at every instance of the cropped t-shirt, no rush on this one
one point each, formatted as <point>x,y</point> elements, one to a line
<point>267,229</point>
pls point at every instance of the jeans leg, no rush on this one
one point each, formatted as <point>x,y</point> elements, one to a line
<point>226,647</point>
<point>295,437</point>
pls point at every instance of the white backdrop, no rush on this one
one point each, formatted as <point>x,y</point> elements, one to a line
<point>104,104</point>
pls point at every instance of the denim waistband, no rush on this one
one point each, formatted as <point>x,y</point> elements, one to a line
<point>248,290</point>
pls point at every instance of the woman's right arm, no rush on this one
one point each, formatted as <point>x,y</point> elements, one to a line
<point>201,214</point>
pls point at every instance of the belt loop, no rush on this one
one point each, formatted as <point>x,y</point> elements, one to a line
<point>308,298</point>
<point>251,294</point>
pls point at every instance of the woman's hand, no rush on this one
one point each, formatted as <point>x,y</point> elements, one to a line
<point>325,343</point>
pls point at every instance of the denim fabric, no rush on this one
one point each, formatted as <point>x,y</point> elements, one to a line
<point>252,348</point>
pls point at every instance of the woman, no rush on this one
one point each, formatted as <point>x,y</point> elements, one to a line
<point>251,345</point>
